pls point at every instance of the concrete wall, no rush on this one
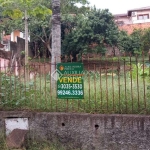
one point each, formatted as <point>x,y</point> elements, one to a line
<point>88,131</point>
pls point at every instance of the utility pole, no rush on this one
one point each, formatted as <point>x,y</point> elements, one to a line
<point>26,46</point>
<point>56,38</point>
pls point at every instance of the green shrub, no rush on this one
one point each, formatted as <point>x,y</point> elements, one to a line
<point>13,92</point>
<point>138,70</point>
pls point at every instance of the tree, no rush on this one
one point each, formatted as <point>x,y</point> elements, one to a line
<point>70,7</point>
<point>26,9</point>
<point>41,29</point>
<point>146,40</point>
<point>124,42</point>
<point>136,39</point>
<point>95,27</point>
<point>19,9</point>
<point>39,13</point>
<point>130,43</point>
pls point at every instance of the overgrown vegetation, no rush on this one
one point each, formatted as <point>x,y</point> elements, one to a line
<point>34,145</point>
<point>92,31</point>
<point>83,30</point>
<point>106,91</point>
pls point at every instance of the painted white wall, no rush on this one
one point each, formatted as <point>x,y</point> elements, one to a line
<point>12,36</point>
<point>16,123</point>
<point>141,21</point>
<point>22,35</point>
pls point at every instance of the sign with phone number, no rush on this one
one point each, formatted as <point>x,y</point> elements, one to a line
<point>70,81</point>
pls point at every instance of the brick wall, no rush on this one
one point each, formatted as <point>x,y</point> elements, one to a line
<point>130,27</point>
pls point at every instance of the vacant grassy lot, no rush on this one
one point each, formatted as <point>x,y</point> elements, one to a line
<point>105,91</point>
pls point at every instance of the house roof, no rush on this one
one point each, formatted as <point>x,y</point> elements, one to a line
<point>137,9</point>
<point>120,15</point>
<point>116,15</point>
<point>130,11</point>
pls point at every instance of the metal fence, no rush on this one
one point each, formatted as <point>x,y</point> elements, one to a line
<point>118,85</point>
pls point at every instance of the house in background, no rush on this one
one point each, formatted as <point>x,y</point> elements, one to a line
<point>18,33</point>
<point>11,48</point>
<point>6,42</point>
<point>122,19</point>
<point>139,15</point>
<point>12,38</point>
<point>138,18</point>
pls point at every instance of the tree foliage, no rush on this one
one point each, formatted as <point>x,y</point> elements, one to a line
<point>83,29</point>
<point>146,40</point>
<point>129,43</point>
<point>96,27</point>
<point>14,10</point>
<point>136,42</point>
<point>39,13</point>
<point>70,7</point>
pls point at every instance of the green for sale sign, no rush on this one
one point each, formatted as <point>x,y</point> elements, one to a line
<point>70,81</point>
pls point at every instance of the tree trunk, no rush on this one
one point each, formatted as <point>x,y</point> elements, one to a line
<point>56,39</point>
<point>113,51</point>
<point>12,63</point>
<point>49,48</point>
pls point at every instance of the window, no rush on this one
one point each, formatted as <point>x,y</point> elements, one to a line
<point>134,14</point>
<point>143,17</point>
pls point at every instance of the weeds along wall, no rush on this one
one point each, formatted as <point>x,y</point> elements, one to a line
<point>86,131</point>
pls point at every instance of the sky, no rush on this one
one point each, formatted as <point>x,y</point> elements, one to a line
<point>119,6</point>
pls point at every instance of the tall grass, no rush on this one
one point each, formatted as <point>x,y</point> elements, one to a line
<point>103,93</point>
<point>3,145</point>
<point>107,94</point>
